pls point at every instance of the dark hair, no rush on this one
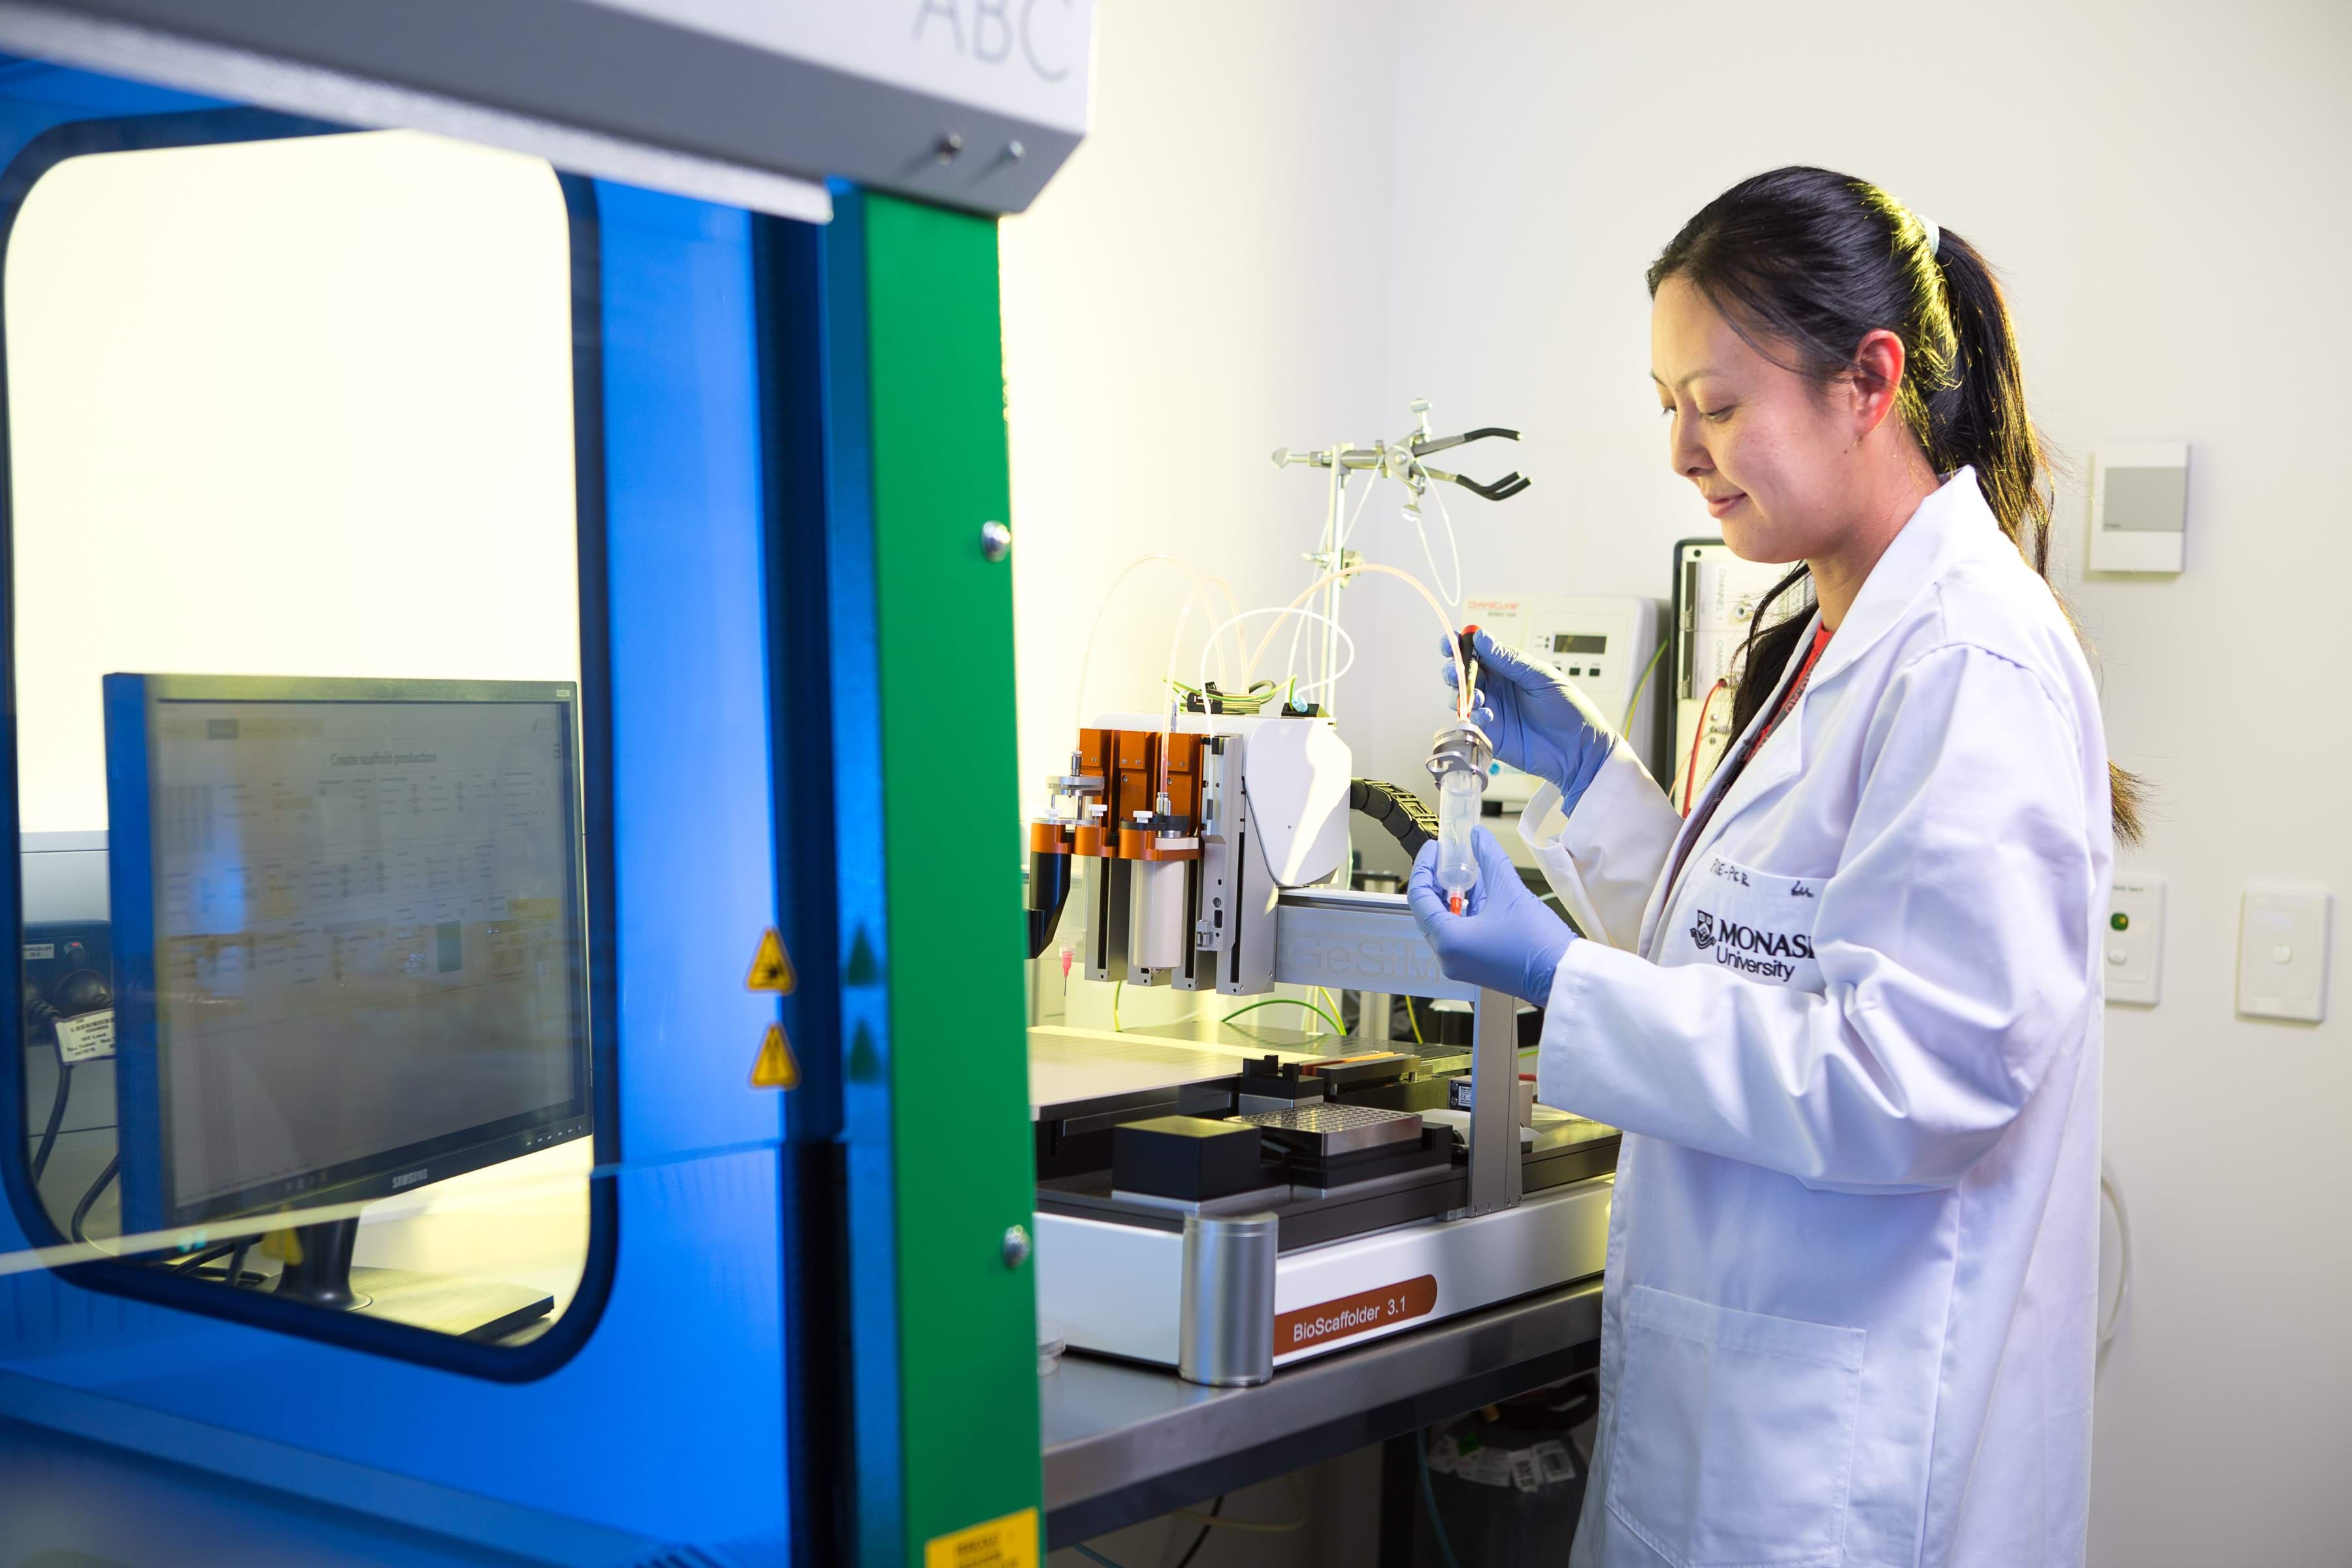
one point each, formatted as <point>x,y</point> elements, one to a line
<point>1804,263</point>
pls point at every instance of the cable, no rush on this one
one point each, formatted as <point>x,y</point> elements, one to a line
<point>1358,512</point>
<point>1290,609</point>
<point>1332,680</point>
<point>1445,621</point>
<point>1413,1018</point>
<point>81,1209</point>
<point>1699,736</point>
<point>1102,607</point>
<point>1113,1007</point>
<point>1091,1555</point>
<point>207,1256</point>
<point>1198,594</point>
<point>1333,1003</point>
<point>1636,700</point>
<point>1452,545</point>
<point>1201,1539</point>
<point>1287,1001</point>
<point>2113,1191</point>
<point>1338,556</point>
<point>1328,547</point>
<point>1248,1527</point>
<point>236,1263</point>
<point>56,1119</point>
<point>1198,584</point>
<point>1429,1499</point>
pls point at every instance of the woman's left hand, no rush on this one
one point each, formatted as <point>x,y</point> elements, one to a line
<point>1506,940</point>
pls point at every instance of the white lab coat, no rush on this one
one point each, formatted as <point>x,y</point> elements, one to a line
<point>1853,1263</point>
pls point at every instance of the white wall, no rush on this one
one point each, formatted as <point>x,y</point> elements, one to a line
<point>1203,282</point>
<point>2162,187</point>
<point>288,407</point>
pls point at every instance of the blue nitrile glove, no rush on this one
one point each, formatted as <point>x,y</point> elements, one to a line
<point>1538,723</point>
<point>1506,940</point>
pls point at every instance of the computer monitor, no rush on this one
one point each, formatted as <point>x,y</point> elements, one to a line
<point>349,938</point>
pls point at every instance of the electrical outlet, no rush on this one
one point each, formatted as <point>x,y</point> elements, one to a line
<point>2283,937</point>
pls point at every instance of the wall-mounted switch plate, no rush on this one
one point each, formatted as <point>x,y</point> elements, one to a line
<point>2132,944</point>
<point>2139,507</point>
<point>2283,937</point>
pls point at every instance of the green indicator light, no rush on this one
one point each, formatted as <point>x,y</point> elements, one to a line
<point>2120,920</point>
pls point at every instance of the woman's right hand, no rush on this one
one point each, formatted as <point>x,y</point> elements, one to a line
<point>1538,723</point>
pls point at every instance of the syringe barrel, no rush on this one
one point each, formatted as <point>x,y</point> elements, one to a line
<point>1457,815</point>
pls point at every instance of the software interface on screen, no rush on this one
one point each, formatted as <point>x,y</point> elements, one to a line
<point>367,931</point>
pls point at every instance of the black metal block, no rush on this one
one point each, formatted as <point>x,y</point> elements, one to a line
<point>1186,1157</point>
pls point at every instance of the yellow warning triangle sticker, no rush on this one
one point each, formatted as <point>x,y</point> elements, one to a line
<point>775,1068</point>
<point>770,970</point>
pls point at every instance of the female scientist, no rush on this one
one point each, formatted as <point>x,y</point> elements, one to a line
<point>1847,1010</point>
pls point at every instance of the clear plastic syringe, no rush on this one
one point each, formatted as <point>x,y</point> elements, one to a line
<point>1458,756</point>
<point>1457,814</point>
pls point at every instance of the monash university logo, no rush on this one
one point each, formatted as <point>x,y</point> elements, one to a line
<point>1751,950</point>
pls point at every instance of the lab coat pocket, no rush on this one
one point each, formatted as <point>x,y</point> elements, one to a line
<point>1734,1434</point>
<point>1755,924</point>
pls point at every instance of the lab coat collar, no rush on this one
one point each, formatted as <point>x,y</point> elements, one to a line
<point>1773,767</point>
<point>1950,523</point>
<point>1953,522</point>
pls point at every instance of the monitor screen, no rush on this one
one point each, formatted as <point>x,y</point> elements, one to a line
<point>367,943</point>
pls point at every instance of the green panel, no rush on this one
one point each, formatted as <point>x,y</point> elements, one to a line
<point>949,801</point>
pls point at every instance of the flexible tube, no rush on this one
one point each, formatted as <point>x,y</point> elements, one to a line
<point>1290,609</point>
<point>1199,595</point>
<point>1197,586</point>
<point>1338,552</point>
<point>2113,1190</point>
<point>1452,545</point>
<point>1698,739</point>
<point>1444,622</point>
<point>1378,479</point>
<point>1429,1499</point>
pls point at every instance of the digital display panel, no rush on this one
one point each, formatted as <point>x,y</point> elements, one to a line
<point>1579,642</point>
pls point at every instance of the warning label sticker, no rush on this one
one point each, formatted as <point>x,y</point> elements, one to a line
<point>1007,1542</point>
<point>770,969</point>
<point>1356,1314</point>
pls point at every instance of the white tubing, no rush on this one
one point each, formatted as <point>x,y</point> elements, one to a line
<point>1102,607</point>
<point>1198,589</point>
<point>1288,610</point>
<point>2112,1190</point>
<point>1453,546</point>
<point>1461,684</point>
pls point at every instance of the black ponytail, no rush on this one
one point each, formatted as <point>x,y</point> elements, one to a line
<point>1804,263</point>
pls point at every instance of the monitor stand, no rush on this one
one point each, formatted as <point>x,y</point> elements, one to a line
<point>469,1309</point>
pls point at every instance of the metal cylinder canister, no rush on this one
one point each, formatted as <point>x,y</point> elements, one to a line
<point>1225,1333</point>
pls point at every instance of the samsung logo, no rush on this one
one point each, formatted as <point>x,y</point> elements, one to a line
<point>408,1179</point>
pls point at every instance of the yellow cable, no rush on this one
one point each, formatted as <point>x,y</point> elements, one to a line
<point>1626,727</point>
<point>1338,1011</point>
<point>1414,1019</point>
<point>1114,1007</point>
<point>1286,1002</point>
